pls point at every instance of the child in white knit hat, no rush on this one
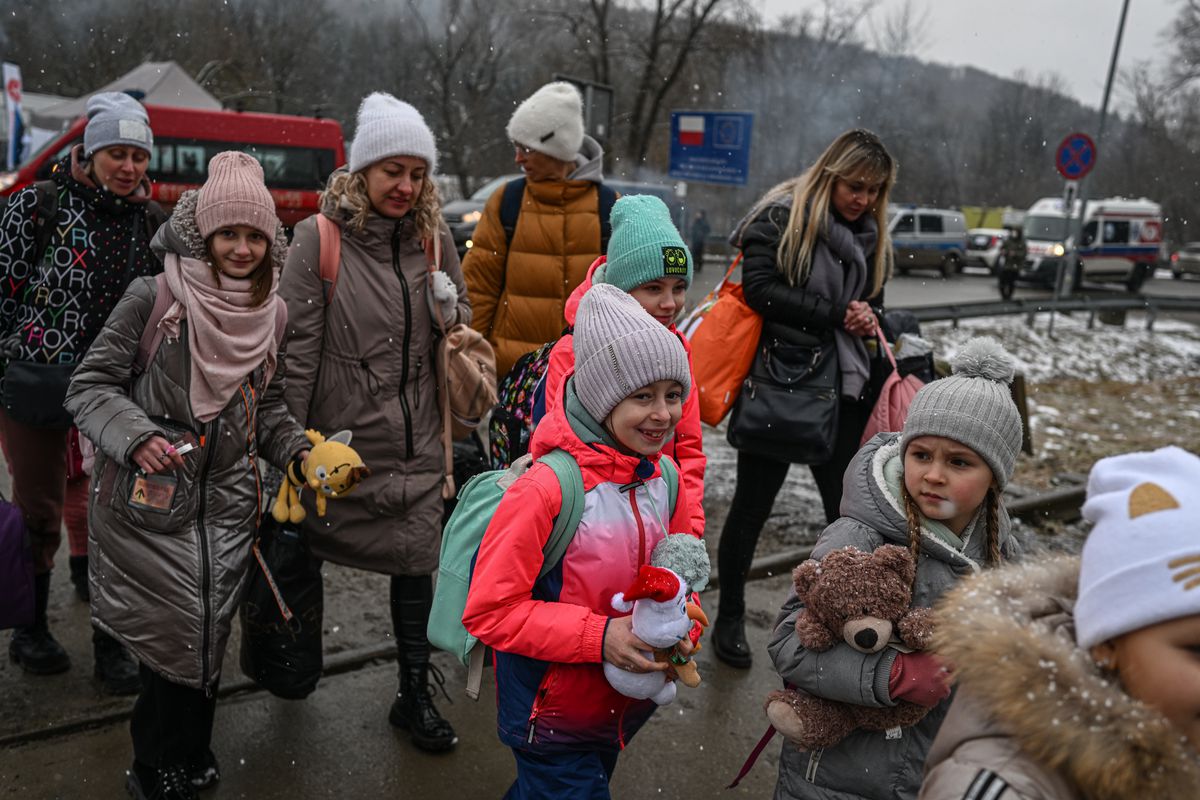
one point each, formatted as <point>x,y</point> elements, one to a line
<point>935,489</point>
<point>552,625</point>
<point>1078,676</point>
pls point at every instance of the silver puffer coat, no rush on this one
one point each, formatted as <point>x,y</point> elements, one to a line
<point>167,583</point>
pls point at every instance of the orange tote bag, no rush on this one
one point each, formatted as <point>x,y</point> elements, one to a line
<point>723,332</point>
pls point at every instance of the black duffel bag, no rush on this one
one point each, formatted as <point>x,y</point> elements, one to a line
<point>282,613</point>
<point>788,405</point>
<point>33,393</point>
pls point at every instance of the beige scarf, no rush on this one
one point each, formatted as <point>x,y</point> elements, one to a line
<point>227,336</point>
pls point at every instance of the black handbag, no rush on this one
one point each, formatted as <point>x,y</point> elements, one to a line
<point>281,614</point>
<point>788,405</point>
<point>33,394</point>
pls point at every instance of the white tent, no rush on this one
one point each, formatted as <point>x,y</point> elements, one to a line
<point>162,83</point>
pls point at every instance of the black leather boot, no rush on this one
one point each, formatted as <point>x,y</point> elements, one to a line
<point>79,577</point>
<point>413,709</point>
<point>34,648</point>
<point>116,672</point>
<point>168,783</point>
<point>729,641</point>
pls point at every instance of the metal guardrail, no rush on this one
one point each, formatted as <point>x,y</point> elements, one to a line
<point>1151,305</point>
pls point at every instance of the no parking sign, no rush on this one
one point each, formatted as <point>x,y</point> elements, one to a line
<point>1076,156</point>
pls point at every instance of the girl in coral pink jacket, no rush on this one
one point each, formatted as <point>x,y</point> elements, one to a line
<point>648,259</point>
<point>551,635</point>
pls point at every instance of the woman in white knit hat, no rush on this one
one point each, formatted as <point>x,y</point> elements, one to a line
<point>72,245</point>
<point>360,357</point>
<point>1078,676</point>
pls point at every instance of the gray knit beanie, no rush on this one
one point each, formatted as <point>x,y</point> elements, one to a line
<point>389,127</point>
<point>550,121</point>
<point>115,118</point>
<point>619,348</point>
<point>974,406</point>
<point>645,245</point>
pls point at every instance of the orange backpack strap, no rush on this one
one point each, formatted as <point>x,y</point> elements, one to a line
<point>330,236</point>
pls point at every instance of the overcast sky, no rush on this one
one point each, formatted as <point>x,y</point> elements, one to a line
<point>1071,37</point>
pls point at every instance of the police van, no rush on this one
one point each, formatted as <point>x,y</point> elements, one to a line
<point>1120,241</point>
<point>927,238</point>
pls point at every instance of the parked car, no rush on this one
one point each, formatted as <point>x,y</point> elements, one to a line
<point>462,216</point>
<point>983,247</point>
<point>928,238</point>
<point>1186,261</point>
<point>297,154</point>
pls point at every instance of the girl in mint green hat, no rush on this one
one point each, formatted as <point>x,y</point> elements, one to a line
<point>648,259</point>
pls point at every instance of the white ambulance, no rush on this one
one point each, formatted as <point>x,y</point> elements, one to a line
<point>1120,241</point>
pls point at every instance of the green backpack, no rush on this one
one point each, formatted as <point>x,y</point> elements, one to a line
<point>477,503</point>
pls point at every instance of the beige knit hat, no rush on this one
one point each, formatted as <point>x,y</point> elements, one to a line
<point>550,121</point>
<point>235,194</point>
<point>619,348</point>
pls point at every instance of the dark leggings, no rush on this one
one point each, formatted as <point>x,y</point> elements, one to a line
<point>758,482</point>
<point>171,724</point>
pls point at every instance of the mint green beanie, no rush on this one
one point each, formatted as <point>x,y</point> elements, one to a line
<point>645,245</point>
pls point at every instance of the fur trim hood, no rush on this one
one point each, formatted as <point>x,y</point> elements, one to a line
<point>1010,635</point>
<point>181,235</point>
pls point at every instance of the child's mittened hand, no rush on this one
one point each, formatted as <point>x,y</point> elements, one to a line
<point>623,650</point>
<point>443,297</point>
<point>919,678</point>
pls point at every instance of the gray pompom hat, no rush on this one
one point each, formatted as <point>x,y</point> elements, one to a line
<point>619,348</point>
<point>974,406</point>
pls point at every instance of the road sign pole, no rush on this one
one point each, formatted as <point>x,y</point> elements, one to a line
<point>1072,253</point>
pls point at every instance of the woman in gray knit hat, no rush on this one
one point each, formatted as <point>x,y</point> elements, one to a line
<point>935,489</point>
<point>72,245</point>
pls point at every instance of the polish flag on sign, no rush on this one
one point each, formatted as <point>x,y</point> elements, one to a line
<point>691,131</point>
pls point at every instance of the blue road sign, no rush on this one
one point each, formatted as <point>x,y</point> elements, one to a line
<point>711,146</point>
<point>1076,156</point>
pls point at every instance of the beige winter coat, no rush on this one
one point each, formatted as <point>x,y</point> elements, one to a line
<point>1034,718</point>
<point>365,363</point>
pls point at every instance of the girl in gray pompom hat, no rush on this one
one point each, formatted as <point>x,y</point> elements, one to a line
<point>935,489</point>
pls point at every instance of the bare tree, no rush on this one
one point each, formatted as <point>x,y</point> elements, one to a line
<point>903,31</point>
<point>1184,36</point>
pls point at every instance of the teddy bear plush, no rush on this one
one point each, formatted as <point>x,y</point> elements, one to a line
<point>863,600</point>
<point>331,470</point>
<point>663,616</point>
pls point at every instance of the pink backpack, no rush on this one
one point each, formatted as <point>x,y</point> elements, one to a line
<point>895,397</point>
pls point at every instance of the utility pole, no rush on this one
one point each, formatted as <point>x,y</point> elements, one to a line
<point>1072,253</point>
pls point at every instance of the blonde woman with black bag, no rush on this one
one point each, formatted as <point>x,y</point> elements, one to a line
<point>816,255</point>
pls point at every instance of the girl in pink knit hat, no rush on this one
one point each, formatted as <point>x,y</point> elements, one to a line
<point>182,393</point>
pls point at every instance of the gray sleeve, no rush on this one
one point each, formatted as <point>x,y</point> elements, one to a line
<point>98,397</point>
<point>840,673</point>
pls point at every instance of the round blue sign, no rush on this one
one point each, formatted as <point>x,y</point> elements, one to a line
<point>1076,156</point>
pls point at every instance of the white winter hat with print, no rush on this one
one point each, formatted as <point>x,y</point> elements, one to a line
<point>1141,562</point>
<point>550,121</point>
<point>389,127</point>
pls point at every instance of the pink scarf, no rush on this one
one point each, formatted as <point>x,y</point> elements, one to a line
<point>227,336</point>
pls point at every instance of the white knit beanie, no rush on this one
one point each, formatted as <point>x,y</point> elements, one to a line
<point>619,348</point>
<point>550,121</point>
<point>389,127</point>
<point>1141,562</point>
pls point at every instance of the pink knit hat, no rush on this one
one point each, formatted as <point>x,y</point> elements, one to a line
<point>235,194</point>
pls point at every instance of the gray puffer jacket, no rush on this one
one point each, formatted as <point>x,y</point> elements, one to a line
<point>867,764</point>
<point>167,583</point>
